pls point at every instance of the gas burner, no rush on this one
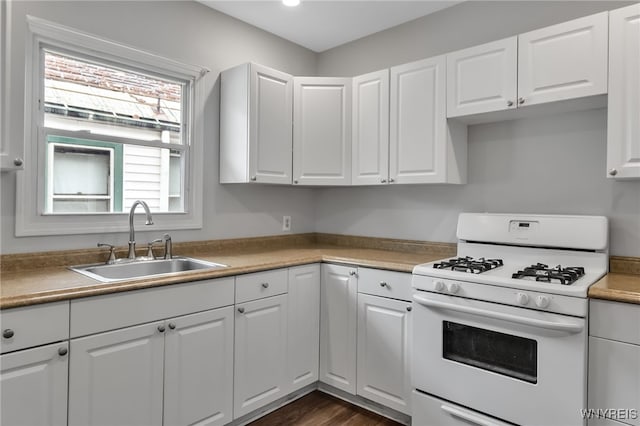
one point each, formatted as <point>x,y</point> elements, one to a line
<point>469,264</point>
<point>541,272</point>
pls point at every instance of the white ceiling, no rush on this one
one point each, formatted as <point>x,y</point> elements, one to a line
<point>322,24</point>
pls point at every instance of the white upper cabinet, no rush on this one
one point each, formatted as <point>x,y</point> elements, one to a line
<point>370,143</point>
<point>255,125</point>
<point>560,62</point>
<point>322,131</point>
<point>563,61</point>
<point>623,125</point>
<point>482,78</point>
<point>423,147</point>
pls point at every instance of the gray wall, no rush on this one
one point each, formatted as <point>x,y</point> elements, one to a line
<point>552,165</point>
<point>192,33</point>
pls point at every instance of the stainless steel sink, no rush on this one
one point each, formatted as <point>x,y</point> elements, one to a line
<point>143,268</point>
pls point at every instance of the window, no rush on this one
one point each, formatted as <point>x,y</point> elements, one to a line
<point>103,130</point>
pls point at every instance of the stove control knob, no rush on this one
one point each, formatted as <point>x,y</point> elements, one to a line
<point>454,288</point>
<point>522,298</point>
<point>542,301</point>
<point>439,286</point>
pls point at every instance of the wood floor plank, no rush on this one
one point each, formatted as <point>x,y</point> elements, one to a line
<point>320,409</point>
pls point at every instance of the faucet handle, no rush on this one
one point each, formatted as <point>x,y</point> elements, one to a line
<point>112,255</point>
<point>168,246</point>
<point>150,248</point>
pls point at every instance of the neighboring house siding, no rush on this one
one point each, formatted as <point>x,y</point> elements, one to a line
<point>146,177</point>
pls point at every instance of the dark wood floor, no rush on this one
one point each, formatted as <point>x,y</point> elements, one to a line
<point>318,409</point>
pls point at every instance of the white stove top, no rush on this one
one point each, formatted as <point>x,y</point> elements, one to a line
<point>516,259</point>
<point>521,241</point>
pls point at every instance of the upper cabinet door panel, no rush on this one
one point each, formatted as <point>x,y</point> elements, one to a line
<point>623,126</point>
<point>417,142</point>
<point>371,128</point>
<point>564,61</point>
<point>270,131</point>
<point>322,131</point>
<point>482,78</point>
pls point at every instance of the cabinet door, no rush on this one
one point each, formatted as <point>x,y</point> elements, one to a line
<point>260,353</point>
<point>11,148</point>
<point>116,378</point>
<point>383,351</point>
<point>563,61</point>
<point>623,125</point>
<point>33,385</point>
<point>338,321</point>
<point>322,131</point>
<point>420,150</point>
<point>270,130</point>
<point>482,78</point>
<point>370,142</point>
<point>304,326</point>
<point>614,377</point>
<point>198,387</point>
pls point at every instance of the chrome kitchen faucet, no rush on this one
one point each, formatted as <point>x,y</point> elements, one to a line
<point>132,234</point>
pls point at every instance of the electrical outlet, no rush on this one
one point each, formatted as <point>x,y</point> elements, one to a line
<point>286,223</point>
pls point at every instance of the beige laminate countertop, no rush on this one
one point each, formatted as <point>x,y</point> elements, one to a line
<point>617,287</point>
<point>21,288</point>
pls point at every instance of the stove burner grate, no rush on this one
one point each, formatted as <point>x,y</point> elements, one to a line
<point>542,273</point>
<point>469,264</point>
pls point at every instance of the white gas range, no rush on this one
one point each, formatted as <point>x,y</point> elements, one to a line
<point>500,331</point>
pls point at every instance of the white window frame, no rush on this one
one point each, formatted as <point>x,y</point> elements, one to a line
<point>31,219</point>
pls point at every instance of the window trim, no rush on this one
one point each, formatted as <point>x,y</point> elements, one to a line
<point>31,220</point>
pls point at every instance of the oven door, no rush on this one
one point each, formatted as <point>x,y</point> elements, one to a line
<point>520,365</point>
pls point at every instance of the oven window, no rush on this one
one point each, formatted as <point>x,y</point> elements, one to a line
<point>512,356</point>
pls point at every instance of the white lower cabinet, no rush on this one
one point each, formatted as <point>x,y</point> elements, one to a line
<point>33,386</point>
<point>338,321</point>
<point>614,363</point>
<point>384,328</point>
<point>118,377</point>
<point>198,369</point>
<point>260,353</point>
<point>303,328</point>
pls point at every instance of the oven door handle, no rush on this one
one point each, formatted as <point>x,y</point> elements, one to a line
<point>549,325</point>
<point>470,417</point>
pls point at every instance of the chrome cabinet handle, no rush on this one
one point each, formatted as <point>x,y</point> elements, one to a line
<point>391,180</point>
<point>253,178</point>
<point>409,308</point>
<point>241,310</point>
<point>8,333</point>
<point>613,172</point>
<point>161,328</point>
<point>18,162</point>
<point>383,181</point>
<point>383,284</point>
<point>509,103</point>
<point>265,285</point>
<point>295,181</point>
<point>353,273</point>
<point>172,326</point>
<point>63,351</point>
<point>520,101</point>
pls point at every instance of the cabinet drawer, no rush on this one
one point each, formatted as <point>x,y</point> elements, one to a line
<point>615,321</point>
<point>117,310</point>
<point>261,284</point>
<point>614,379</point>
<point>34,325</point>
<point>396,285</point>
<point>428,410</point>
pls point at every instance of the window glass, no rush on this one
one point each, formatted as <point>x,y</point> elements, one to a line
<point>123,110</point>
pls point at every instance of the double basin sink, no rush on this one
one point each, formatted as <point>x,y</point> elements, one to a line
<point>143,268</point>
